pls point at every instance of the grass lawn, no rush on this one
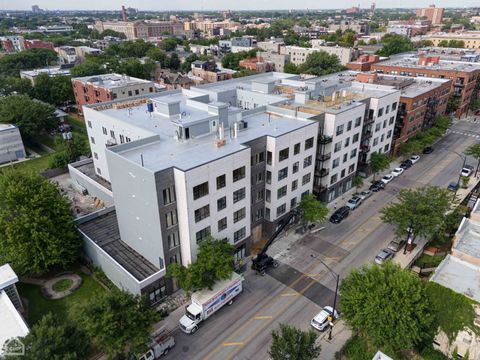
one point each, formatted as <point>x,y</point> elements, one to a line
<point>62,285</point>
<point>77,124</point>
<point>37,165</point>
<point>63,308</point>
<point>428,261</point>
<point>47,140</point>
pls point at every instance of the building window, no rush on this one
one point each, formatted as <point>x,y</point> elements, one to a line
<point>269,177</point>
<point>306,179</point>
<point>258,158</point>
<point>387,109</point>
<point>294,185</point>
<point>281,209</point>
<point>305,193</point>
<point>380,112</point>
<point>171,218</point>
<point>309,143</point>
<point>296,149</point>
<point>333,179</point>
<point>104,130</point>
<point>95,155</point>
<point>238,174</point>
<point>345,158</point>
<point>239,215</point>
<point>221,181</point>
<point>99,171</point>
<point>92,139</point>
<point>337,147</point>
<point>293,202</point>
<point>358,121</point>
<point>349,125</point>
<point>307,161</point>
<point>267,213</point>
<point>238,195</point>
<point>335,163</point>
<point>202,234</point>
<point>283,154</point>
<point>339,130</point>
<point>353,153</point>
<point>347,142</point>
<point>173,240</point>
<point>267,195</point>
<point>200,190</point>
<point>168,195</point>
<point>175,259</point>
<point>296,166</point>
<point>89,124</point>
<point>112,134</point>
<point>375,141</point>
<point>355,138</point>
<point>351,168</point>
<point>342,174</point>
<point>260,195</point>
<point>389,134</point>
<point>281,192</point>
<point>221,203</point>
<point>258,215</point>
<point>222,224</point>
<point>122,139</point>
<point>202,213</point>
<point>269,157</point>
<point>377,127</point>
<point>386,147</point>
<point>282,173</point>
<point>239,234</point>
<point>394,106</point>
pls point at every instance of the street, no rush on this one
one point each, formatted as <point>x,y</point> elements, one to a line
<point>297,290</point>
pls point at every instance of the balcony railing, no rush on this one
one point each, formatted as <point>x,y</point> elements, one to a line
<point>365,148</point>
<point>367,134</point>
<point>319,188</point>
<point>324,139</point>
<point>324,157</point>
<point>322,172</point>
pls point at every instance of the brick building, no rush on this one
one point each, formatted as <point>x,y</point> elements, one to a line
<point>208,71</point>
<point>12,44</point>
<point>465,76</point>
<point>363,63</point>
<point>108,87</point>
<point>432,13</point>
<point>257,64</point>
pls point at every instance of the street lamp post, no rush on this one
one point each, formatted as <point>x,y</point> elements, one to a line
<point>337,279</point>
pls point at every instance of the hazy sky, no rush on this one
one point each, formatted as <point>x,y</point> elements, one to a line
<point>219,4</point>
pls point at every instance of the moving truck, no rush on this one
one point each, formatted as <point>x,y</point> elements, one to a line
<point>162,341</point>
<point>206,302</point>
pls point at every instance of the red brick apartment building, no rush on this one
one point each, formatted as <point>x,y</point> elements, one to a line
<point>421,100</point>
<point>363,63</point>
<point>465,76</point>
<point>108,87</point>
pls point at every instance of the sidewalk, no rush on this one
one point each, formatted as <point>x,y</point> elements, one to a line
<point>340,335</point>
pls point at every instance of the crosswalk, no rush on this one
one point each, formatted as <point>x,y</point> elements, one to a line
<point>474,120</point>
<point>464,133</point>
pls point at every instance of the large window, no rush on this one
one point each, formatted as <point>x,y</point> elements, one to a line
<point>269,177</point>
<point>203,234</point>
<point>309,143</point>
<point>296,149</point>
<point>168,195</point>
<point>239,215</point>
<point>221,203</point>
<point>202,213</point>
<point>173,240</point>
<point>295,167</point>
<point>282,173</point>
<point>238,195</point>
<point>306,179</point>
<point>281,209</point>
<point>283,154</point>
<point>239,234</point>
<point>337,147</point>
<point>282,192</point>
<point>200,190</point>
<point>340,129</point>
<point>307,161</point>
<point>239,173</point>
<point>222,224</point>
<point>171,218</point>
<point>221,182</point>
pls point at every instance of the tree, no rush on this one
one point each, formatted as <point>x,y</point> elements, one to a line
<point>11,85</point>
<point>214,262</point>
<point>357,182</point>
<point>290,68</point>
<point>174,61</point>
<point>37,231</point>
<point>474,151</point>
<point>410,147</point>
<point>293,344</point>
<point>395,44</point>
<point>465,181</point>
<point>320,63</point>
<point>32,117</point>
<point>168,44</point>
<point>87,68</point>
<point>52,339</point>
<point>134,68</point>
<point>119,322</point>
<point>110,32</point>
<point>232,60</point>
<point>68,151</point>
<point>11,64</point>
<point>422,209</point>
<point>379,162</point>
<point>453,104</point>
<point>313,211</point>
<point>54,90</point>
<point>387,304</point>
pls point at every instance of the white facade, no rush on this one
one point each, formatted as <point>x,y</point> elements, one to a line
<point>298,55</point>
<point>11,144</point>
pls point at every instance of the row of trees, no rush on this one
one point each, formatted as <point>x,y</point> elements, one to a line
<point>317,63</point>
<point>12,64</point>
<point>395,44</point>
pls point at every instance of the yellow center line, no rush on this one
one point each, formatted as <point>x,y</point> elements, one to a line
<point>262,317</point>
<point>289,294</point>
<point>233,344</point>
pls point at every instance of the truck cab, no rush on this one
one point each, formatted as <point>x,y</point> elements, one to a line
<point>193,316</point>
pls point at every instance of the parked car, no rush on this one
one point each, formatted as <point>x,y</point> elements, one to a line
<point>377,185</point>
<point>466,171</point>
<point>453,186</point>
<point>365,194</point>
<point>396,244</point>
<point>320,321</point>
<point>339,215</point>
<point>387,178</point>
<point>354,202</point>
<point>414,158</point>
<point>407,164</point>
<point>428,150</point>
<point>383,256</point>
<point>397,171</point>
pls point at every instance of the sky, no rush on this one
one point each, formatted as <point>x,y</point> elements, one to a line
<point>219,4</point>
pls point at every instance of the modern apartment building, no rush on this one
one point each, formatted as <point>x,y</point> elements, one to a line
<point>298,54</point>
<point>11,144</point>
<point>50,71</point>
<point>432,13</point>
<point>107,87</point>
<point>465,76</point>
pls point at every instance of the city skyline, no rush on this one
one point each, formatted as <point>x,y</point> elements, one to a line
<point>183,5</point>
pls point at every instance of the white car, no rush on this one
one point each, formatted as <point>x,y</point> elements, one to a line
<point>414,158</point>
<point>397,171</point>
<point>386,179</point>
<point>466,171</point>
<point>365,194</point>
<point>320,321</point>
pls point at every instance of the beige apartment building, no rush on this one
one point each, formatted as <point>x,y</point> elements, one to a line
<point>470,38</point>
<point>432,13</point>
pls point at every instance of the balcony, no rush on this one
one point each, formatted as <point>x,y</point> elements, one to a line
<point>324,157</point>
<point>367,134</point>
<point>364,148</point>
<point>368,121</point>
<point>322,172</point>
<point>319,188</point>
<point>324,139</point>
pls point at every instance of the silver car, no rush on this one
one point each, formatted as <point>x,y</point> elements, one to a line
<point>354,202</point>
<point>365,194</point>
<point>383,256</point>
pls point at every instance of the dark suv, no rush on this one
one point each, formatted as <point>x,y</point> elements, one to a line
<point>377,185</point>
<point>339,215</point>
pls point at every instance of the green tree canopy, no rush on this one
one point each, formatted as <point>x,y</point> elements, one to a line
<point>32,117</point>
<point>291,68</point>
<point>232,60</point>
<point>387,304</point>
<point>11,85</point>
<point>423,209</point>
<point>37,230</point>
<point>87,68</point>
<point>395,44</point>
<point>129,49</point>
<point>320,63</point>
<point>474,151</point>
<point>313,211</point>
<point>119,322</point>
<point>11,64</point>
<point>168,44</point>
<point>293,344</point>
<point>214,262</point>
<point>379,162</point>
<point>52,339</point>
<point>68,151</point>
<point>54,90</point>
<point>110,32</point>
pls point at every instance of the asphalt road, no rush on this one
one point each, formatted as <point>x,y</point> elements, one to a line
<point>294,293</point>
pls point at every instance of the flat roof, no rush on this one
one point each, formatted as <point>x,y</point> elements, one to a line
<point>7,276</point>
<point>468,238</point>
<point>12,324</point>
<point>416,85</point>
<point>459,276</point>
<point>103,230</point>
<point>381,356</point>
<point>49,71</point>
<point>4,127</point>
<point>111,81</point>
<point>409,61</point>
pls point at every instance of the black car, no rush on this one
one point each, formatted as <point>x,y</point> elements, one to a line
<point>428,150</point>
<point>377,186</point>
<point>407,164</point>
<point>339,215</point>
